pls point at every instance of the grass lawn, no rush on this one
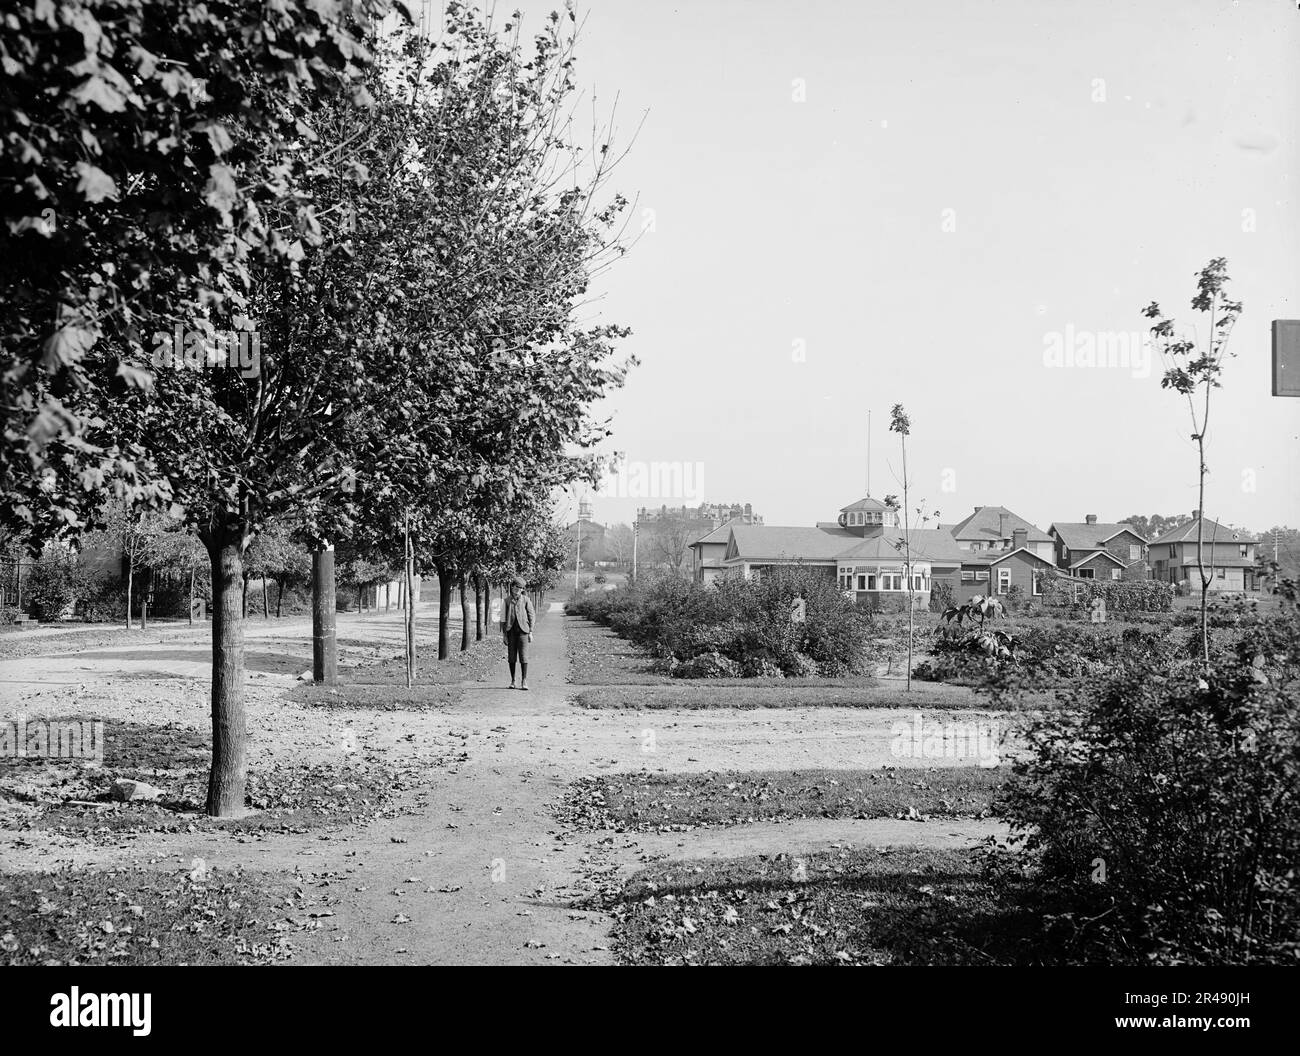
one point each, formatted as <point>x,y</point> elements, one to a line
<point>651,802</point>
<point>193,916</point>
<point>792,693</point>
<point>843,906</point>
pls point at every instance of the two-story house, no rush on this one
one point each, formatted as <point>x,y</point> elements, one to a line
<point>1229,556</point>
<point>1099,550</point>
<point>708,552</point>
<point>994,528</point>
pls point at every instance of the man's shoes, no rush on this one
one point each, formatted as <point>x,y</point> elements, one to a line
<point>511,686</point>
<point>523,686</point>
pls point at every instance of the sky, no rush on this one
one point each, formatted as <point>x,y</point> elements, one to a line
<point>844,206</point>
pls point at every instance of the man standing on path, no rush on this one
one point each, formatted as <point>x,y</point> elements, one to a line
<point>517,626</point>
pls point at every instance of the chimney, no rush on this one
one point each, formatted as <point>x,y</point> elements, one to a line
<point>1091,518</point>
<point>978,508</point>
<point>1196,514</point>
<point>1019,537</point>
<point>1002,525</point>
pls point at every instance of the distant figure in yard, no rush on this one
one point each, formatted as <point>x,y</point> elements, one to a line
<point>517,626</point>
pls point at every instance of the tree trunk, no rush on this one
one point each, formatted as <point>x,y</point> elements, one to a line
<point>144,603</point>
<point>229,762</point>
<point>464,615</point>
<point>478,608</point>
<point>244,604</point>
<point>444,612</point>
<point>324,640</point>
<point>388,595</point>
<point>279,596</point>
<point>191,595</point>
<point>266,605</point>
<point>130,585</point>
<point>907,553</point>
<point>408,614</point>
<point>1200,540</point>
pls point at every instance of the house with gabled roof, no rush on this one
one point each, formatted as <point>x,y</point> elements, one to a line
<point>1094,549</point>
<point>1016,567</point>
<point>708,552</point>
<point>1228,556</point>
<point>865,551</point>
<point>994,528</point>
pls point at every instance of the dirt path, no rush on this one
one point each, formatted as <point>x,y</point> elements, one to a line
<point>480,872</point>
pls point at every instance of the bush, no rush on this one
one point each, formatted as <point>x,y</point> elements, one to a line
<point>51,586</point>
<point>1120,595</point>
<point>745,621</point>
<point>1050,655</point>
<point>707,665</point>
<point>1162,809</point>
<point>941,596</point>
<point>101,597</point>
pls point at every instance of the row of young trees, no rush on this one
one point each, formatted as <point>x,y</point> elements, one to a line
<point>300,263</point>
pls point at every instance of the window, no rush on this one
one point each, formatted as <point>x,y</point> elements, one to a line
<point>983,577</point>
<point>1087,573</point>
<point>1134,552</point>
<point>862,582</point>
<point>1116,573</point>
<point>846,581</point>
<point>1243,551</point>
<point>967,577</point>
<point>1004,580</point>
<point>918,582</point>
<point>891,581</point>
<point>1037,582</point>
<point>1220,573</point>
<point>1173,552</point>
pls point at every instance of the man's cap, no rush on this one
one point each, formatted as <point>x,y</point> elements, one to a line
<point>518,581</point>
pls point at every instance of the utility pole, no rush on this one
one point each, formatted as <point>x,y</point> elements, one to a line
<point>868,454</point>
<point>636,534</point>
<point>577,550</point>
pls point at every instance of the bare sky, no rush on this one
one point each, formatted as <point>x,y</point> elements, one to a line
<point>964,186</point>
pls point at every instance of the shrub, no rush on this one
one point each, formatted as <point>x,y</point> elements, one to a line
<point>51,586</point>
<point>101,597</point>
<point>746,621</point>
<point>941,596</point>
<point>1162,809</point>
<point>707,665</point>
<point>1120,595</point>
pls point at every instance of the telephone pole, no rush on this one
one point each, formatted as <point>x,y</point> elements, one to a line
<point>868,454</point>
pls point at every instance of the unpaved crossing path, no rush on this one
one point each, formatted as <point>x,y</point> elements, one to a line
<point>481,871</point>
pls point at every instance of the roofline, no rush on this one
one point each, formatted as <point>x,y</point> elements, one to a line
<point>1104,553</point>
<point>1022,550</point>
